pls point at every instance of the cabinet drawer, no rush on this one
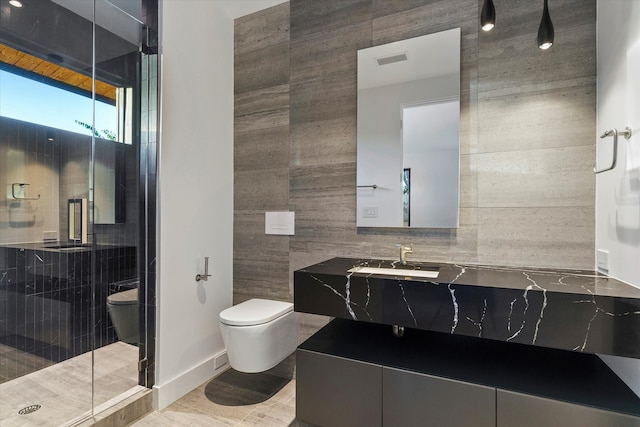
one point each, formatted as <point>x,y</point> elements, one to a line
<point>333,391</point>
<point>413,399</point>
<point>520,410</point>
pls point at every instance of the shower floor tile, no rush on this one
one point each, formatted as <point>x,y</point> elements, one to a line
<point>15,363</point>
<point>64,390</point>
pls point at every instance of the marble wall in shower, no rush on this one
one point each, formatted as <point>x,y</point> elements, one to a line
<point>527,136</point>
<point>46,300</point>
<point>47,304</point>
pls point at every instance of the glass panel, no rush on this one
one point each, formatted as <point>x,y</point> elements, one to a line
<point>69,170</point>
<point>114,207</point>
<point>45,288</point>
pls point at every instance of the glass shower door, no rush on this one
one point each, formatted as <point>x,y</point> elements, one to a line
<point>69,167</point>
<point>45,267</point>
<point>116,309</point>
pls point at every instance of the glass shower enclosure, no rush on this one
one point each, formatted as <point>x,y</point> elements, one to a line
<point>71,99</point>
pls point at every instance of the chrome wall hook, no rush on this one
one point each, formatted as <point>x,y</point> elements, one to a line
<point>206,274</point>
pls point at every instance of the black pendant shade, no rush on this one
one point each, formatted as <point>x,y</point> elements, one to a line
<point>545,32</point>
<point>488,16</point>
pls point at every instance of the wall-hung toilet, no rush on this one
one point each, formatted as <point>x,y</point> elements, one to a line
<point>259,334</point>
<point>123,310</point>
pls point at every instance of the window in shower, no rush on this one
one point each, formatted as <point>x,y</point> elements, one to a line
<point>23,93</point>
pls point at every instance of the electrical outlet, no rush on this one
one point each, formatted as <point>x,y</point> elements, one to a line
<point>369,212</point>
<point>602,260</point>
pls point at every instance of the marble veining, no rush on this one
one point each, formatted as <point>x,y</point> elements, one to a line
<point>573,310</point>
<point>52,309</point>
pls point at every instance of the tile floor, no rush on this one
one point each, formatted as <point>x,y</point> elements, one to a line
<point>15,363</point>
<point>64,390</point>
<point>233,399</point>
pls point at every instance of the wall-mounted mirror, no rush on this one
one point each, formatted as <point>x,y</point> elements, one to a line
<point>409,133</point>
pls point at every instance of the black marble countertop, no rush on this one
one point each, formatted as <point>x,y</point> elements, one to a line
<point>566,281</point>
<point>566,309</point>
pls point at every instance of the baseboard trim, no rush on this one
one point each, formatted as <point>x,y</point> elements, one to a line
<point>167,393</point>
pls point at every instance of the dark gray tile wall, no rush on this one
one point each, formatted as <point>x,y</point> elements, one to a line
<point>527,137</point>
<point>261,154</point>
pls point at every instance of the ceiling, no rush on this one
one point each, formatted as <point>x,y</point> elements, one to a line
<point>120,19</point>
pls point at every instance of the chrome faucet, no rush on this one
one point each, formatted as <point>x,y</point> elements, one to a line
<point>404,250</point>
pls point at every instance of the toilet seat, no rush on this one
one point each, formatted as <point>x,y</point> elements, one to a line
<point>254,312</point>
<point>129,297</point>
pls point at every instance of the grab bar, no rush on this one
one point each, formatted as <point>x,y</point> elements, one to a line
<point>613,132</point>
<point>22,185</point>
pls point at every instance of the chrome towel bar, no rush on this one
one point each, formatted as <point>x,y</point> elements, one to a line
<point>614,132</point>
<point>21,185</point>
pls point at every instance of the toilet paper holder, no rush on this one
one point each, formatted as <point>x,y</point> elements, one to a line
<point>206,274</point>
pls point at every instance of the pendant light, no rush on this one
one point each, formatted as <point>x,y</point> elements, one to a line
<point>545,32</point>
<point>488,16</point>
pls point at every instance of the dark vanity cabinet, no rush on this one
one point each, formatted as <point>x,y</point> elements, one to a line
<point>357,374</point>
<point>335,391</point>
<point>482,346</point>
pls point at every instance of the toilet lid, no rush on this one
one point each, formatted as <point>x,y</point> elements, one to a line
<point>254,312</point>
<point>124,297</point>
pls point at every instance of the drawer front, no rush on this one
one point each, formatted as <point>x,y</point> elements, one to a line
<point>332,391</point>
<point>413,399</point>
<point>521,410</point>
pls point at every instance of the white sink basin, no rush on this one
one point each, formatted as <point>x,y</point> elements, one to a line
<point>429,274</point>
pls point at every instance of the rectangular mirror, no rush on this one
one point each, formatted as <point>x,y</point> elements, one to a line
<point>408,170</point>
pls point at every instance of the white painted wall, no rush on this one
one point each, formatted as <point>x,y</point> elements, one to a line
<point>618,191</point>
<point>195,188</point>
